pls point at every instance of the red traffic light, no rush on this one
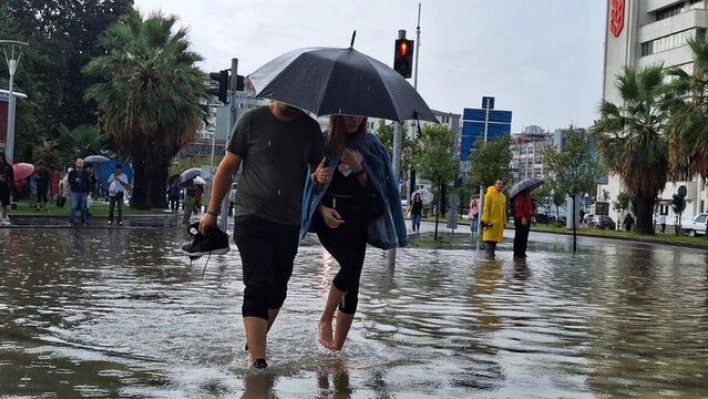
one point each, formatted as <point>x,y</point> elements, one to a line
<point>403,48</point>
<point>403,57</point>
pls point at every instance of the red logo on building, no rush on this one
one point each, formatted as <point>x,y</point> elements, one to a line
<point>616,16</point>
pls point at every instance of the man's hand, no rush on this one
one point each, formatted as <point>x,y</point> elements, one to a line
<point>208,221</point>
<point>331,217</point>
<point>323,174</point>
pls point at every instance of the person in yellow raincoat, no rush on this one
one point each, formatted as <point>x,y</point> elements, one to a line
<point>493,217</point>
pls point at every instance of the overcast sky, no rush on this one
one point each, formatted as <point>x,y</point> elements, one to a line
<point>541,59</point>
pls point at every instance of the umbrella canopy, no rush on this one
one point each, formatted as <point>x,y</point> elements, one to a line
<point>339,81</point>
<point>426,195</point>
<point>96,159</point>
<point>529,184</point>
<point>189,174</point>
<point>22,170</point>
<point>198,180</point>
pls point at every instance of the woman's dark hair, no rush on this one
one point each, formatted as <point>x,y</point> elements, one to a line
<point>338,134</point>
<point>417,197</point>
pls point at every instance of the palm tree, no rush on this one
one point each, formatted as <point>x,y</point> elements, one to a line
<point>632,139</point>
<point>688,147</point>
<point>148,101</point>
<point>81,141</point>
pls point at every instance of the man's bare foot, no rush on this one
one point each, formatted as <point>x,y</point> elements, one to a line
<point>324,330</point>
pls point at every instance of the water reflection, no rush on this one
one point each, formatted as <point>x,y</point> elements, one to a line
<point>121,313</point>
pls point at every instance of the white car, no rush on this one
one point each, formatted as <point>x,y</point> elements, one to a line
<point>697,226</point>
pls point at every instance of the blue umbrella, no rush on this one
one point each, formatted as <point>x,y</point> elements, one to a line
<point>330,81</point>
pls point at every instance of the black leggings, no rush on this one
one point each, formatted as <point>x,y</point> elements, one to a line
<point>347,244</point>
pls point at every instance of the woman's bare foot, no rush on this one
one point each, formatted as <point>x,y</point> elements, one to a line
<point>324,330</point>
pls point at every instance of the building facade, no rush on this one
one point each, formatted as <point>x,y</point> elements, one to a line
<point>641,33</point>
<point>527,149</point>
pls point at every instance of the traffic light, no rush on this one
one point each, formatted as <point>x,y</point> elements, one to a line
<point>223,78</point>
<point>403,57</point>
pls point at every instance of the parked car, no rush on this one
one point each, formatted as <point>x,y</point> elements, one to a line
<point>603,222</point>
<point>697,226</point>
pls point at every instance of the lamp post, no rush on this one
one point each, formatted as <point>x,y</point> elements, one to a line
<point>13,53</point>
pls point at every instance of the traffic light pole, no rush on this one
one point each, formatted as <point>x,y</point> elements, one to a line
<point>230,121</point>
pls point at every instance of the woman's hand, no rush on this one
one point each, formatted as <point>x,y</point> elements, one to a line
<point>331,217</point>
<point>352,159</point>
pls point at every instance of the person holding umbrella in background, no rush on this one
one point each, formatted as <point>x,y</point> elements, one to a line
<point>523,207</point>
<point>7,180</point>
<point>523,212</point>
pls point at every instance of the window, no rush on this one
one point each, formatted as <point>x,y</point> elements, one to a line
<point>696,5</point>
<point>701,219</point>
<point>670,12</point>
<point>701,34</point>
<point>670,42</point>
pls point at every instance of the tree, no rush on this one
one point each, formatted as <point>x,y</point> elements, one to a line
<point>625,202</point>
<point>573,170</point>
<point>688,149</point>
<point>148,100</point>
<point>63,37</point>
<point>385,134</point>
<point>436,161</point>
<point>632,141</point>
<point>491,161</point>
<point>82,141</point>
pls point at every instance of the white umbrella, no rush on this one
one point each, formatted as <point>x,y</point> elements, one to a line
<point>426,195</point>
<point>96,159</point>
<point>189,174</point>
<point>198,180</point>
<point>529,184</point>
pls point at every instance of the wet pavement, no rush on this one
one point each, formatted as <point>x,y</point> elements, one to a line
<point>120,313</point>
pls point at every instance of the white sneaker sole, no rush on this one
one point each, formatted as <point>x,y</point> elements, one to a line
<point>220,251</point>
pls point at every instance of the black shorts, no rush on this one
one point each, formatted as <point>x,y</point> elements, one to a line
<point>267,252</point>
<point>5,196</point>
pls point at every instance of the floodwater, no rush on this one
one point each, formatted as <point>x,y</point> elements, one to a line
<point>120,313</point>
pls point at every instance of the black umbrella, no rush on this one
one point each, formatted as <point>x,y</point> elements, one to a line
<point>530,184</point>
<point>339,81</point>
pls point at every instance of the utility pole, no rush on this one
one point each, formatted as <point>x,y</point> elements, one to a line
<point>13,54</point>
<point>487,106</point>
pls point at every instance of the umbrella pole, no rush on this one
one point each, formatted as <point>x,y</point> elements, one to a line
<point>397,133</point>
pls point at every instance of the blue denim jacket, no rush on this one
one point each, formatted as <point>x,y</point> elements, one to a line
<point>385,232</point>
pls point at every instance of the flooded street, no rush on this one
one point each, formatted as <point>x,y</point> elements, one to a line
<point>120,313</point>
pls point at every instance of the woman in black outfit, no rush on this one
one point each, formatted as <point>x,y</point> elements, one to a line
<point>416,212</point>
<point>345,211</point>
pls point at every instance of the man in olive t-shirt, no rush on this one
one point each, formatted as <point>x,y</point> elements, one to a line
<point>274,144</point>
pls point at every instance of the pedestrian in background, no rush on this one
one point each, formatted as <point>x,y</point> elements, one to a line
<point>662,223</point>
<point>473,213</point>
<point>523,212</point>
<point>493,217</point>
<point>79,181</point>
<point>415,211</point>
<point>7,181</point>
<point>118,184</point>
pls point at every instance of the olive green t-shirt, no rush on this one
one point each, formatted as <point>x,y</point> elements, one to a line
<point>275,156</point>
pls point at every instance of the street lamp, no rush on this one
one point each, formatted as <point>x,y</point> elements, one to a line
<point>13,53</point>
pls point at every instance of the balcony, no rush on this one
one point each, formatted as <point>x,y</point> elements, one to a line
<point>684,21</point>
